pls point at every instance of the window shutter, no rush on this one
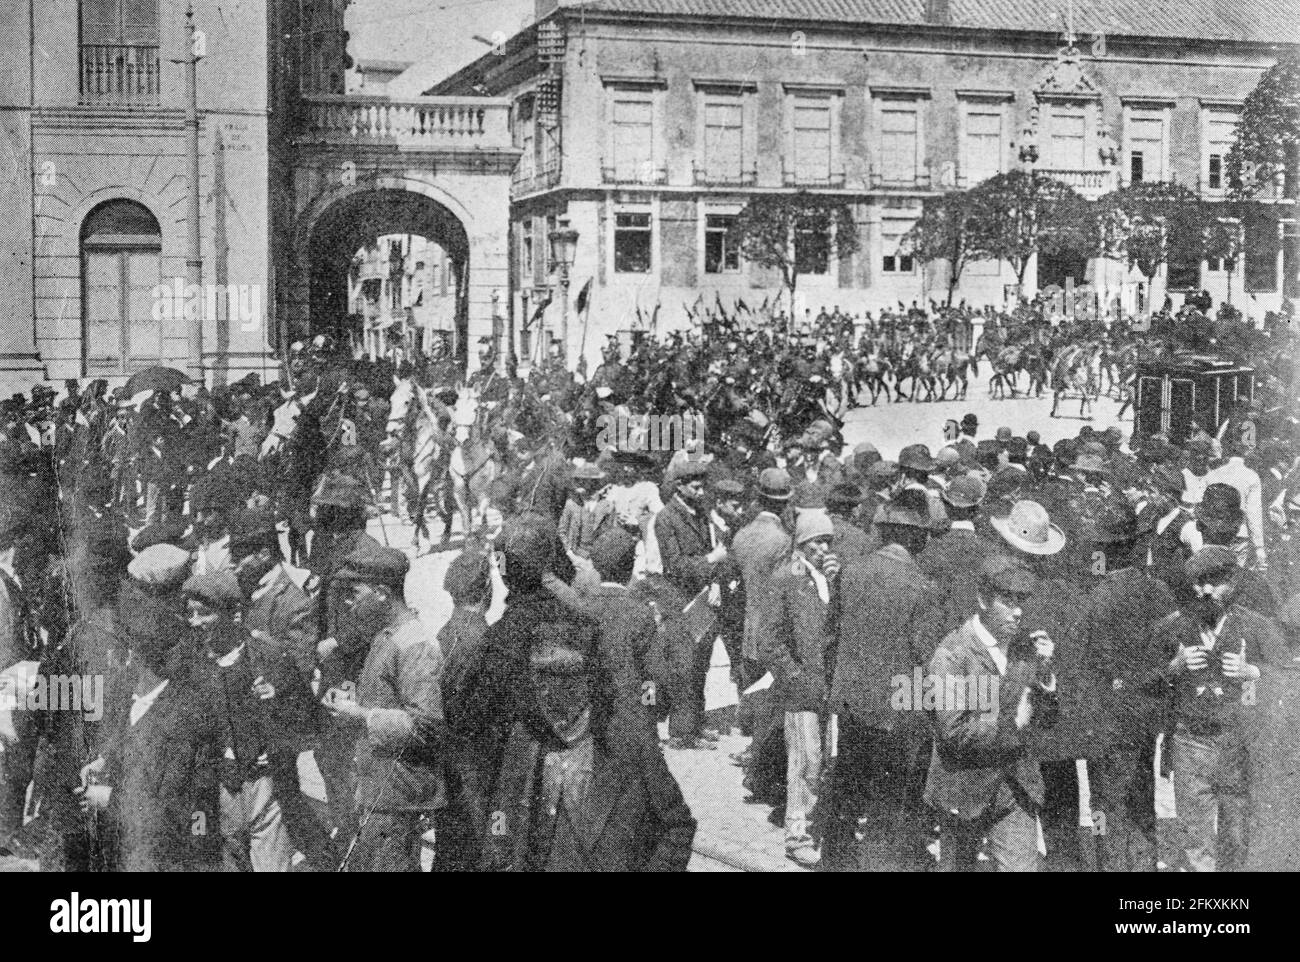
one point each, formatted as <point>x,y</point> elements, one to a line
<point>140,22</point>
<point>101,22</point>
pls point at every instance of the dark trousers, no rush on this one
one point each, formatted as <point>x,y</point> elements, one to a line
<point>1012,836</point>
<point>305,829</point>
<point>875,817</point>
<point>17,764</point>
<point>387,842</point>
<point>334,755</point>
<point>1122,783</point>
<point>1060,815</point>
<point>463,824</point>
<point>687,672</point>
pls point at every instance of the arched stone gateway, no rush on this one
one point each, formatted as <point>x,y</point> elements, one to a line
<point>368,167</point>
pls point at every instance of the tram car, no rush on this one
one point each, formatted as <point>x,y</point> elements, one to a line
<point>1201,390</point>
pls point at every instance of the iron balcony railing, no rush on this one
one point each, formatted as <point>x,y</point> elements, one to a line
<point>117,74</point>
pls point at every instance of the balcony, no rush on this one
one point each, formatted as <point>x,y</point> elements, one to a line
<point>534,180</point>
<point>1090,184</point>
<point>643,174</point>
<point>705,176</point>
<point>900,180</point>
<point>813,178</point>
<point>418,123</point>
<point>119,75</point>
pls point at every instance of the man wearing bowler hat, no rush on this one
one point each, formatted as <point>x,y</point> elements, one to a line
<point>953,561</point>
<point>1123,707</point>
<point>1220,520</point>
<point>887,629</point>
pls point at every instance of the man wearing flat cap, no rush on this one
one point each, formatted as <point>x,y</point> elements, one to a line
<point>992,690</point>
<point>281,616</point>
<point>887,627</point>
<point>242,676</point>
<point>1215,647</point>
<point>394,715</point>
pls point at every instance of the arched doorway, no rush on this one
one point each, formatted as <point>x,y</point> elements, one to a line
<point>356,223</point>
<point>121,266</point>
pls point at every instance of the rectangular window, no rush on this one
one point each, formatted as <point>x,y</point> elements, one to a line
<point>983,146</point>
<point>1067,139</point>
<point>1220,134</point>
<point>811,253</point>
<point>119,51</point>
<point>724,131</point>
<point>633,138</point>
<point>895,260</point>
<point>1261,246</point>
<point>898,143</point>
<point>1146,144</point>
<point>812,140</point>
<point>632,243</point>
<point>720,256</point>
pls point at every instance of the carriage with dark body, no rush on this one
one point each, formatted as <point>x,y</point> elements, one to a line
<point>1200,389</point>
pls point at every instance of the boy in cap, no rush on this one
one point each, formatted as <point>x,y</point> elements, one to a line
<point>464,822</point>
<point>794,649</point>
<point>1215,647</point>
<point>243,677</point>
<point>984,779</point>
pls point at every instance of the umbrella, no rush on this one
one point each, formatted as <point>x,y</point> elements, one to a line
<point>156,378</point>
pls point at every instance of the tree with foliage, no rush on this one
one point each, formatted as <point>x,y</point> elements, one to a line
<point>1156,222</point>
<point>1023,214</point>
<point>794,234</point>
<point>947,230</point>
<point>1268,143</point>
<point>1224,237</point>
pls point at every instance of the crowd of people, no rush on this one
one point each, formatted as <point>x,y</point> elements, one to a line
<point>926,646</point>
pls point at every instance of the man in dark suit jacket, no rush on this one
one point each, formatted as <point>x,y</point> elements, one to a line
<point>953,561</point>
<point>886,631</point>
<point>691,553</point>
<point>984,780</point>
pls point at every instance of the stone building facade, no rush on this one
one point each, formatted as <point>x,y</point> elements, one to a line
<point>647,124</point>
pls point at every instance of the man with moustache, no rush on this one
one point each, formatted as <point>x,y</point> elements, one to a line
<point>1215,646</point>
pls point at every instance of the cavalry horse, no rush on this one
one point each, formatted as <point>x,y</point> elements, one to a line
<point>475,461</point>
<point>914,365</point>
<point>422,444</point>
<point>873,366</point>
<point>950,366</point>
<point>1076,370</point>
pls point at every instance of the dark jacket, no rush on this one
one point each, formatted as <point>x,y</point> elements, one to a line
<point>628,646</point>
<point>887,628</point>
<point>683,542</point>
<point>1123,657</point>
<point>953,563</point>
<point>633,818</point>
<point>793,644</point>
<point>980,758</point>
<point>760,547</point>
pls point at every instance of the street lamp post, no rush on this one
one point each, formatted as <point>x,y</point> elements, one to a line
<point>193,256</point>
<point>564,246</point>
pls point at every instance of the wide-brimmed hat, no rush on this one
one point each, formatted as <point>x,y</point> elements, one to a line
<point>1090,463</point>
<point>1027,528</point>
<point>908,509</point>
